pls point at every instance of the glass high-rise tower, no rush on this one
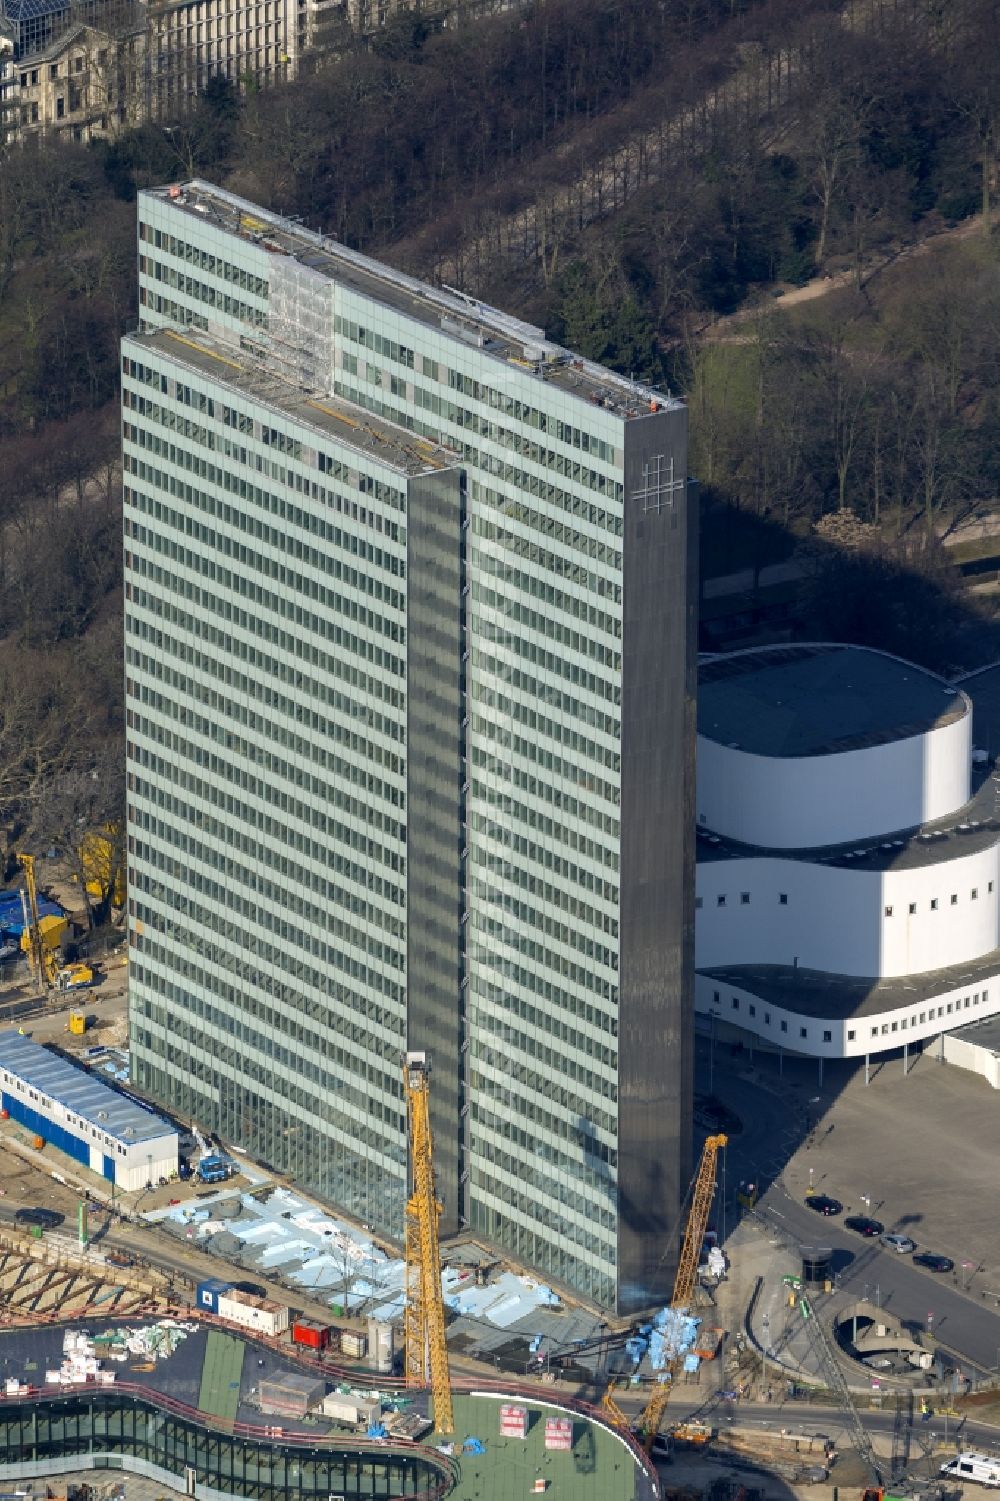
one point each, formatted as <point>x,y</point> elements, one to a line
<point>410,625</point>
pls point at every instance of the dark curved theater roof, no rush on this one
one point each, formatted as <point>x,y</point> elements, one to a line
<point>817,700</point>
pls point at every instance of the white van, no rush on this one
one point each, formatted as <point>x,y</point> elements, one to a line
<point>982,1469</point>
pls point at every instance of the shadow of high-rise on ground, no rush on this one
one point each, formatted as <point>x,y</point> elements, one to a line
<point>762,584</point>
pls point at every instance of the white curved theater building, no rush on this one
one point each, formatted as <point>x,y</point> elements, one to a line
<point>848,885</point>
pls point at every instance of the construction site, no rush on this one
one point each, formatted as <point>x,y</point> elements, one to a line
<point>640,1412</point>
<point>224,1311</point>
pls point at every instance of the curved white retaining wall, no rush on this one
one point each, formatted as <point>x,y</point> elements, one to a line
<point>912,1022</point>
<point>806,801</point>
<point>848,922</point>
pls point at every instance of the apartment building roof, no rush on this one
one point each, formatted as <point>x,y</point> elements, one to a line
<point>495,333</point>
<point>406,452</point>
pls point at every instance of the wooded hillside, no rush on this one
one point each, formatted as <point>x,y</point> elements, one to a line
<point>624,172</point>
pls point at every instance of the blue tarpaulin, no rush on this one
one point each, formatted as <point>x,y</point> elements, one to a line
<point>673,1335</point>
<point>12,917</point>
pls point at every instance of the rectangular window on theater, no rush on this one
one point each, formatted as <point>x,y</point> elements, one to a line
<point>874,1031</point>
<point>954,899</point>
<point>720,901</point>
<point>850,1036</point>
<point>752,1010</point>
<point>784,1026</point>
<point>715,997</point>
<point>699,902</point>
<point>974,894</point>
<point>934,903</point>
<point>767,1018</point>
<point>828,1036</point>
<point>913,909</point>
<point>888,911</point>
<point>736,1004</point>
<point>923,1016</point>
<point>803,1032</point>
<point>782,898</point>
<point>745,898</point>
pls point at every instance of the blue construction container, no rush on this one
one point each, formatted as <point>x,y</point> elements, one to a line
<point>46,1128</point>
<point>208,1293</point>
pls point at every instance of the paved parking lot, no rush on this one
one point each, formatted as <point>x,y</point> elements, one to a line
<point>923,1150</point>
<point>920,1149</point>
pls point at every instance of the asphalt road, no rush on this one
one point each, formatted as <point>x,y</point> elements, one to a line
<point>809,1418</point>
<point>774,1128</point>
<point>962,1323</point>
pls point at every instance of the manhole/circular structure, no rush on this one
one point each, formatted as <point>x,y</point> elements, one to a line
<point>817,1265</point>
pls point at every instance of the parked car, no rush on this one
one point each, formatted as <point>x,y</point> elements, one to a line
<point>933,1263</point>
<point>47,1218</point>
<point>869,1228</point>
<point>823,1204</point>
<point>901,1243</point>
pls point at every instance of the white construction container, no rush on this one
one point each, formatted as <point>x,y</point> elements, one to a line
<point>254,1313</point>
<point>344,1407</point>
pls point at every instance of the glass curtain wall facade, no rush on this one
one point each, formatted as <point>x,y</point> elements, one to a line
<point>267,703</point>
<point>549,775</point>
<point>127,1433</point>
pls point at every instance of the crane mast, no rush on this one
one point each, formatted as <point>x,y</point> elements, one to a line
<point>697,1223</point>
<point>426,1355</point>
<point>37,958</point>
<point>702,1194</point>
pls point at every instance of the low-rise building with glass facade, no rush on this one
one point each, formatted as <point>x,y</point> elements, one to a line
<point>410,658</point>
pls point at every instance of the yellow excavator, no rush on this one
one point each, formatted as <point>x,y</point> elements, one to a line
<point>702,1193</point>
<point>41,938</point>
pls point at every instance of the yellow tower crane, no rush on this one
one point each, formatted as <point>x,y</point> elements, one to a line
<point>702,1194</point>
<point>426,1354</point>
<point>42,963</point>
